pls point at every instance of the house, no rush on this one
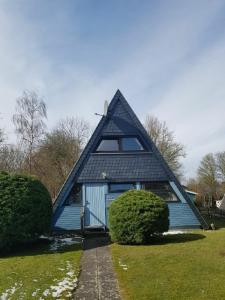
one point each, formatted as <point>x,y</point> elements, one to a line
<point>118,157</point>
<point>221,203</point>
<point>192,195</point>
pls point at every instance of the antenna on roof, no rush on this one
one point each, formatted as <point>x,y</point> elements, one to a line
<point>106,105</point>
<point>105,109</point>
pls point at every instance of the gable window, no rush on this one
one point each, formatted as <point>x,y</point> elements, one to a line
<point>108,145</point>
<point>161,189</point>
<point>131,144</point>
<point>120,144</point>
<point>120,187</point>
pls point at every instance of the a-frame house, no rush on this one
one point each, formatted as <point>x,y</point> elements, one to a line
<point>119,156</point>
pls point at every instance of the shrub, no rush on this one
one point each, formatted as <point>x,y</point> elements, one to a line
<point>136,216</point>
<point>25,209</point>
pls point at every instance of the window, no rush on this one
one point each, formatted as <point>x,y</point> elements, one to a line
<point>162,189</point>
<point>75,196</point>
<point>108,145</point>
<point>131,144</point>
<point>121,144</point>
<point>120,187</point>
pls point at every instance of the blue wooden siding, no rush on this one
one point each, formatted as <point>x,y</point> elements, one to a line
<point>112,196</point>
<point>94,213</point>
<point>138,186</point>
<point>181,215</point>
<point>108,199</point>
<point>67,218</point>
<point>97,200</point>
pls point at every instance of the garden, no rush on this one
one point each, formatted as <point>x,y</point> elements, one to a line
<point>150,263</point>
<point>44,270</point>
<point>33,265</point>
<point>182,265</point>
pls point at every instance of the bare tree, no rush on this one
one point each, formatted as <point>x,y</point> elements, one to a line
<point>207,175</point>
<point>1,148</point>
<point>221,164</point>
<point>59,151</point>
<point>75,128</point>
<point>193,184</point>
<point>2,137</point>
<point>164,140</point>
<point>12,158</point>
<point>29,121</point>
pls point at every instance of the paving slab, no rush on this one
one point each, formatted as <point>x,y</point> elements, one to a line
<point>97,280</point>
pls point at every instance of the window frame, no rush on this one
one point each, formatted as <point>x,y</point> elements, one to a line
<point>119,139</point>
<point>169,191</point>
<point>120,190</point>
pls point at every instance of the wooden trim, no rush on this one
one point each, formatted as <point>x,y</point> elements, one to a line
<point>177,192</point>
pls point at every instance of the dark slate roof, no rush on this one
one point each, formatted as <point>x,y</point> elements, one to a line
<point>122,167</point>
<point>120,120</point>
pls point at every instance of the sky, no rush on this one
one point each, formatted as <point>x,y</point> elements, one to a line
<point>167,58</point>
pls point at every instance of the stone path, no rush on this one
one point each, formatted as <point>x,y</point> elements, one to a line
<point>97,280</point>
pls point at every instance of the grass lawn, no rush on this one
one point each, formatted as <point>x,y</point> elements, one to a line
<point>182,266</point>
<point>39,273</point>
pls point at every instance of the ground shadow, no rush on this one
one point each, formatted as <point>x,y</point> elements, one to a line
<point>94,241</point>
<point>39,247</point>
<point>176,238</point>
<point>91,241</point>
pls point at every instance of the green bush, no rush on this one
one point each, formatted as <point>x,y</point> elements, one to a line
<point>136,216</point>
<point>25,209</point>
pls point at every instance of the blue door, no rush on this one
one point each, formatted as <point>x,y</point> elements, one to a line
<point>95,204</point>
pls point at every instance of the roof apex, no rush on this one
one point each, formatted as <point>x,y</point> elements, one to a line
<point>118,94</point>
<point>118,97</point>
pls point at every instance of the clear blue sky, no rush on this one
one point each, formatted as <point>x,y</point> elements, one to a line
<point>167,57</point>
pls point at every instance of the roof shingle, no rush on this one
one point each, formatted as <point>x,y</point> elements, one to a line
<point>122,167</point>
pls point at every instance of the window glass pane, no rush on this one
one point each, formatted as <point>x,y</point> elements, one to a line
<point>75,196</point>
<point>121,187</point>
<point>108,145</point>
<point>161,189</point>
<point>131,144</point>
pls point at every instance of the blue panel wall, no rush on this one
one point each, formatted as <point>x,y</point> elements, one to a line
<point>67,218</point>
<point>94,213</point>
<point>112,196</point>
<point>109,199</point>
<point>97,201</point>
<point>181,215</point>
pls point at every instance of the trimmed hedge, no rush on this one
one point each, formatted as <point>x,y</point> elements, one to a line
<point>25,209</point>
<point>136,216</point>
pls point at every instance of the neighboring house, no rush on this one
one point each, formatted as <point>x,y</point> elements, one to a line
<point>221,203</point>
<point>192,195</point>
<point>218,203</point>
<point>118,157</point>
